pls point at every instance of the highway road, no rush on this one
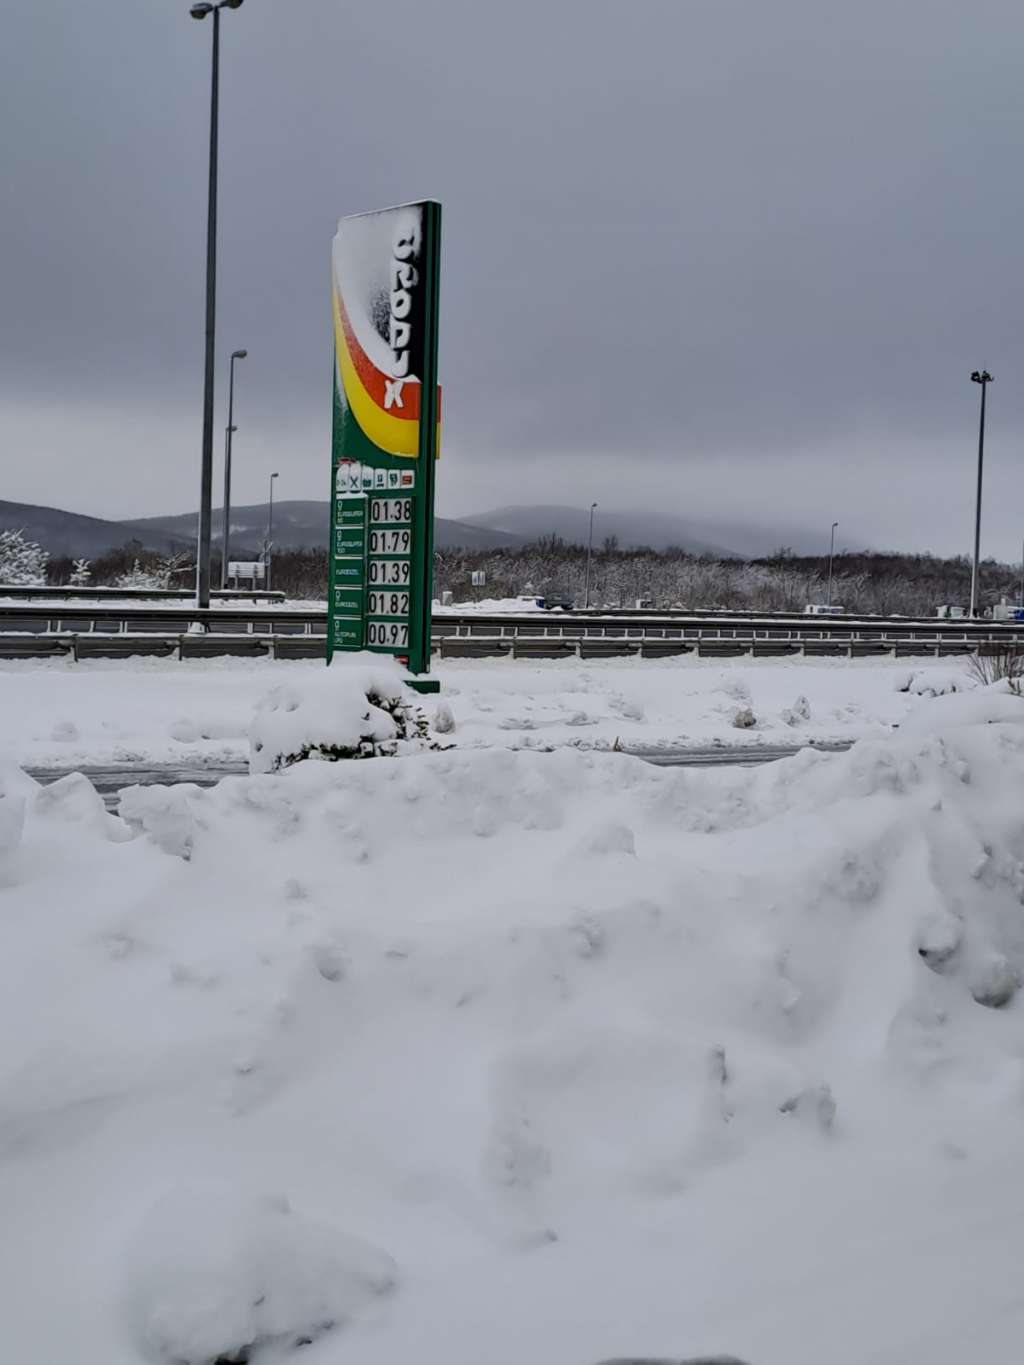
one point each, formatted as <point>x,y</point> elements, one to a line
<point>110,780</point>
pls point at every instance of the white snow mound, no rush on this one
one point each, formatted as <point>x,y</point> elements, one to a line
<point>214,1274</point>
<point>616,1059</point>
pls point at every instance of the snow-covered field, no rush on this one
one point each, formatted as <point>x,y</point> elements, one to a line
<point>60,714</point>
<point>494,1057</point>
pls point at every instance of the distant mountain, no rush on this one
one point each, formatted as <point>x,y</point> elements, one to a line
<point>68,533</point>
<point>303,525</point>
<point>632,528</point>
<point>658,530</point>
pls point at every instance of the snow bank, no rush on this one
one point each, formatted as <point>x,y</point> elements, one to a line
<point>614,1061</point>
<point>56,713</point>
<point>982,706</point>
<point>358,708</point>
<point>490,606</point>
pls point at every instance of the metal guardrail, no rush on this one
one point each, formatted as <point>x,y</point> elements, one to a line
<point>267,617</point>
<point>171,629</point>
<point>18,592</point>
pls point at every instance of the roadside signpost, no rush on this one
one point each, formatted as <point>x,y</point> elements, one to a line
<point>386,269</point>
<point>254,570</point>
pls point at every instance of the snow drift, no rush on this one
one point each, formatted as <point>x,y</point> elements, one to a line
<point>567,1058</point>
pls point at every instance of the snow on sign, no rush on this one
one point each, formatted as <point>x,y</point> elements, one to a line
<point>385,433</point>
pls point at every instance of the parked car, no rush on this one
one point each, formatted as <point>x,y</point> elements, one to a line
<point>555,599</point>
<point>820,609</point>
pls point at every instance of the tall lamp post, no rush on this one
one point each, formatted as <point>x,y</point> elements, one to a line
<point>831,560</point>
<point>200,11</point>
<point>590,551</point>
<point>270,534</point>
<point>983,378</point>
<point>226,538</point>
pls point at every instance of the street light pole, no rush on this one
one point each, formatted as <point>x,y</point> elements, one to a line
<point>590,551</point>
<point>831,558</point>
<point>200,11</point>
<point>226,538</point>
<point>270,535</point>
<point>983,378</point>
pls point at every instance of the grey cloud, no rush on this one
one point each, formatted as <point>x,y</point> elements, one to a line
<point>740,256</point>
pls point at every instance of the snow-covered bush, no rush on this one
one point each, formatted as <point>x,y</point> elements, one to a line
<point>81,574</point>
<point>444,720</point>
<point>138,577</point>
<point>161,574</point>
<point>358,709</point>
<point>798,712</point>
<point>931,683</point>
<point>22,562</point>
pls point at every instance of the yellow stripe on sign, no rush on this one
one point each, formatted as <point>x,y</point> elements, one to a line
<point>394,435</point>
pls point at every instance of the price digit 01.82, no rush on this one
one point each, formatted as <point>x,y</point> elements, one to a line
<point>387,604</point>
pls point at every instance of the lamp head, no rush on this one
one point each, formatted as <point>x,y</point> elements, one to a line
<point>239,355</point>
<point>200,11</point>
<point>231,4</point>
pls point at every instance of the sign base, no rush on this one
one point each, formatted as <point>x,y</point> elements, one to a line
<point>424,684</point>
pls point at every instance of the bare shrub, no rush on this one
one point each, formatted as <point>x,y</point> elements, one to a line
<point>998,663</point>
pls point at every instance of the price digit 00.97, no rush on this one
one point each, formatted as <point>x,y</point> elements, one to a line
<point>392,634</point>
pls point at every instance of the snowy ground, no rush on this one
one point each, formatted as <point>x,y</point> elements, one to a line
<point>513,1058</point>
<point>61,714</point>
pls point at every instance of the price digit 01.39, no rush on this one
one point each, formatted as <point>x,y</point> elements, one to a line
<point>389,573</point>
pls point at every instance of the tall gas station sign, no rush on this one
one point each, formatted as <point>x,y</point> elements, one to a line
<point>386,274</point>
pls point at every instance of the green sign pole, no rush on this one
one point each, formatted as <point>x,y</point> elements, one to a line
<point>386,282</point>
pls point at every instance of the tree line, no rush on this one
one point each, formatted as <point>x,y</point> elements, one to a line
<point>887,584</point>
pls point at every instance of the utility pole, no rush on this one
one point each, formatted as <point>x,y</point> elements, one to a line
<point>226,538</point>
<point>200,11</point>
<point>983,378</point>
<point>831,560</point>
<point>268,552</point>
<point>590,552</point>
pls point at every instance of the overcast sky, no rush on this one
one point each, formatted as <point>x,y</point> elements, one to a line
<point>731,259</point>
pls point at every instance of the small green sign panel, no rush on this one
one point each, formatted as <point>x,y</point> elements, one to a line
<point>386,269</point>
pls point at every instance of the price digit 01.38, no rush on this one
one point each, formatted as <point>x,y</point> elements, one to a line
<point>391,511</point>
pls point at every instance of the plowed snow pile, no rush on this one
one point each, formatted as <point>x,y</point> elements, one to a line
<point>503,1058</point>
